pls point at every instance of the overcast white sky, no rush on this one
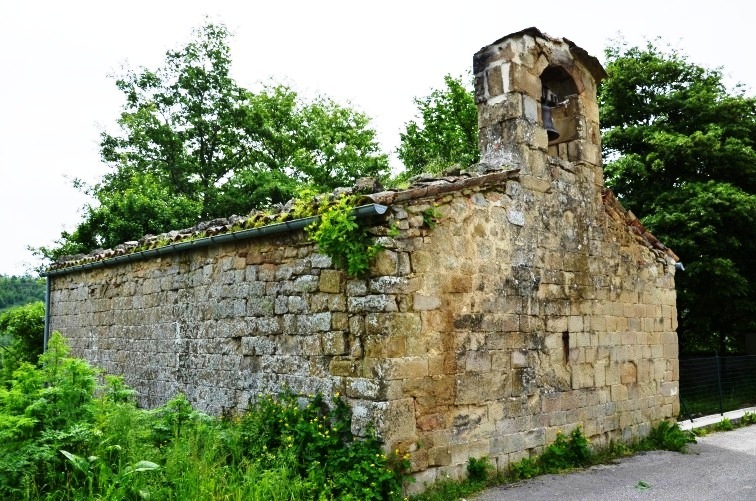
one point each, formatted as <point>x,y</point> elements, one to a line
<point>56,58</point>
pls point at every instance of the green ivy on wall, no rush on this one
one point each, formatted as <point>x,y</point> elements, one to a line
<point>342,238</point>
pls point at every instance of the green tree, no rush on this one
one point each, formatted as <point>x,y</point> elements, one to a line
<point>679,152</point>
<point>193,144</point>
<point>319,143</point>
<point>445,132</point>
<point>17,291</point>
<point>22,332</point>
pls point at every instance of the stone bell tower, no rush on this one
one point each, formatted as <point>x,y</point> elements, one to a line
<point>522,77</point>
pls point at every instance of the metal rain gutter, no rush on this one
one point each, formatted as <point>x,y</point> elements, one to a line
<point>287,226</point>
<point>47,315</point>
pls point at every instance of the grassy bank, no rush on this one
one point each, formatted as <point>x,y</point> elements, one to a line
<point>65,437</point>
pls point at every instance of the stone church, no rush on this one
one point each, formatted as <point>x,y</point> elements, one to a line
<point>511,300</point>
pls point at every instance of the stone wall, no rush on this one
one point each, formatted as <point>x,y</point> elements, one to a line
<point>509,303</point>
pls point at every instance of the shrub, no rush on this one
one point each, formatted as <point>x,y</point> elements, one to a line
<point>748,418</point>
<point>340,236</point>
<point>44,410</point>
<point>524,469</point>
<point>63,437</point>
<point>322,448</point>
<point>724,425</point>
<point>479,470</point>
<point>668,436</point>
<point>566,453</point>
<point>21,336</point>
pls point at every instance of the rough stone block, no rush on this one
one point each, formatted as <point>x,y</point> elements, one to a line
<point>331,281</point>
<point>521,79</point>
<point>393,285</point>
<point>345,368</point>
<point>461,453</point>
<point>477,387</point>
<point>392,324</point>
<point>334,343</point>
<point>421,302</point>
<point>669,389</point>
<point>478,361</point>
<point>439,456</point>
<point>372,303</point>
<point>510,106</point>
<point>320,261</point>
<point>519,358</point>
<point>259,307</point>
<point>497,80</point>
<point>385,263</point>
<point>403,368</point>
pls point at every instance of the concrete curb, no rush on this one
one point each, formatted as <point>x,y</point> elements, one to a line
<point>701,422</point>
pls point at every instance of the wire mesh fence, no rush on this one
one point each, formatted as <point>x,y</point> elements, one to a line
<point>714,385</point>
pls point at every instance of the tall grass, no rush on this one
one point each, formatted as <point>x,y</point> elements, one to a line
<point>63,437</point>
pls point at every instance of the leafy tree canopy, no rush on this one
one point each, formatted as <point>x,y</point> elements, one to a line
<point>679,151</point>
<point>22,332</point>
<point>17,291</point>
<point>445,132</point>
<point>193,144</point>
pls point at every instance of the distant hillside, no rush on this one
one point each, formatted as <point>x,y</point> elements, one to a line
<point>17,291</point>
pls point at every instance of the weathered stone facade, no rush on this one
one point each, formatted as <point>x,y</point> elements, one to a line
<point>532,303</point>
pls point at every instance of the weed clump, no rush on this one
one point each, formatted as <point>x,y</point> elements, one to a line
<point>669,437</point>
<point>478,470</point>
<point>566,453</point>
<point>342,238</point>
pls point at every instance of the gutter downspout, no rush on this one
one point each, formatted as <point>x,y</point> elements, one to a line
<point>47,314</point>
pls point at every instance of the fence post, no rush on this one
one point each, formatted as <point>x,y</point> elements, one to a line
<point>719,383</point>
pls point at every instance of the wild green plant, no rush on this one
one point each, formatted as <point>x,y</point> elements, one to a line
<point>322,447</point>
<point>44,410</point>
<point>668,436</point>
<point>724,425</point>
<point>478,470</point>
<point>613,450</point>
<point>525,468</point>
<point>446,489</point>
<point>566,453</point>
<point>21,335</point>
<point>338,235</point>
<point>305,203</point>
<point>431,217</point>
<point>63,437</point>
<point>748,419</point>
<point>481,472</point>
<point>100,481</point>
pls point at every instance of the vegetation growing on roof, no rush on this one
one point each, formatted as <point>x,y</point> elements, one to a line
<point>336,231</point>
<point>340,236</point>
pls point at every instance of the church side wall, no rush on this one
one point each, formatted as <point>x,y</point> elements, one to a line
<point>495,316</point>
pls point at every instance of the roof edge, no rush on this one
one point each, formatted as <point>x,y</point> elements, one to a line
<point>124,256</point>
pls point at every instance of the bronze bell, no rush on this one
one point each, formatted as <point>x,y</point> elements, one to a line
<point>548,123</point>
<point>548,101</point>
